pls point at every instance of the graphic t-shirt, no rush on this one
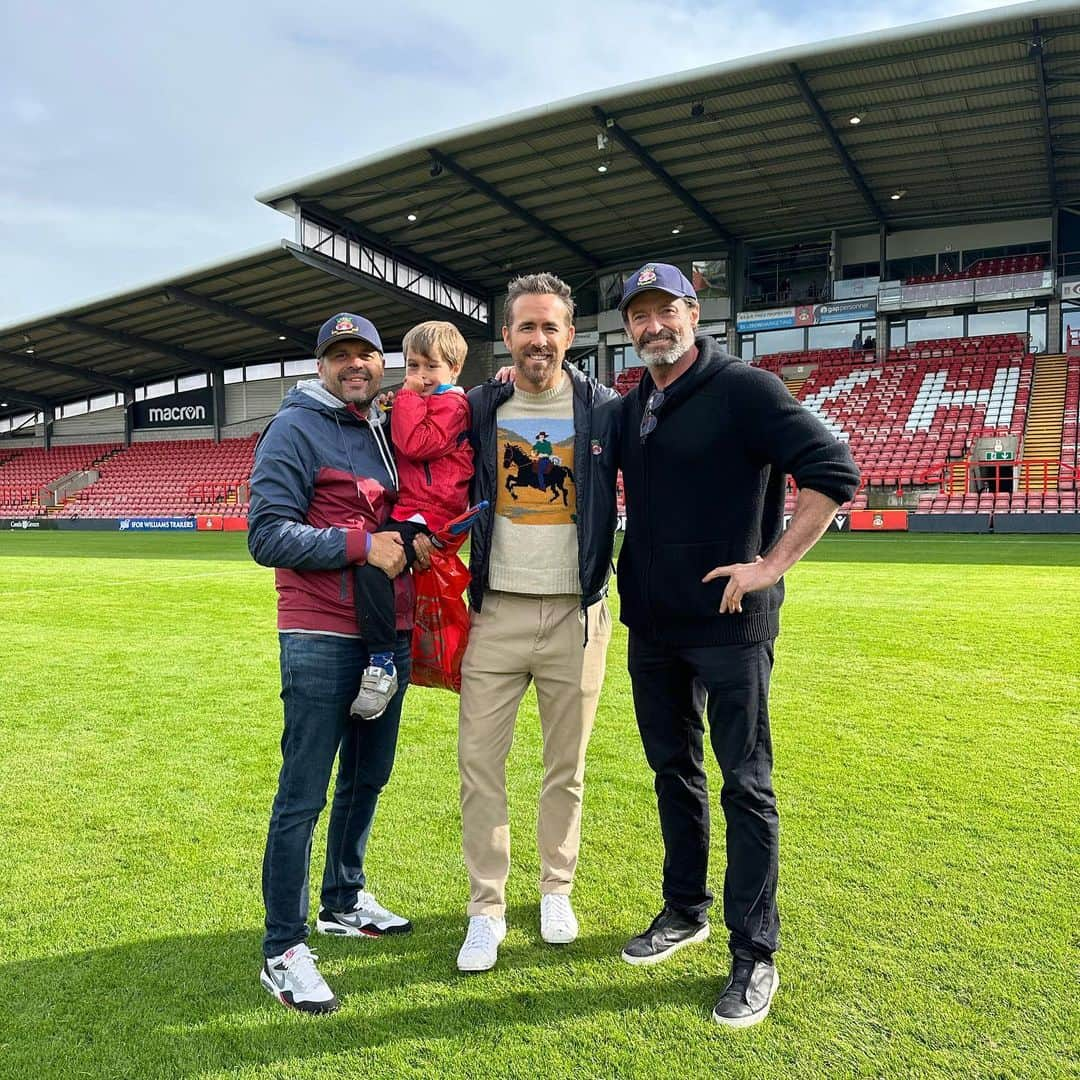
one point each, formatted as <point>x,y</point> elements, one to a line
<point>534,547</point>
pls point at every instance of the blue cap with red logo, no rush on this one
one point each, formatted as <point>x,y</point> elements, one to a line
<point>346,327</point>
<point>662,276</point>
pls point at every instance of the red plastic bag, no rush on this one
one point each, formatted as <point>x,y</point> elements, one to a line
<point>441,619</point>
<point>440,623</point>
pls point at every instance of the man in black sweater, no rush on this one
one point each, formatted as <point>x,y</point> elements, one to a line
<point>706,443</point>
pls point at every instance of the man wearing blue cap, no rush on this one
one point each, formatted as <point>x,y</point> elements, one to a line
<point>706,443</point>
<point>323,483</point>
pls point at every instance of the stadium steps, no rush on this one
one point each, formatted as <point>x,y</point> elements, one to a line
<point>1045,420</point>
<point>795,385</point>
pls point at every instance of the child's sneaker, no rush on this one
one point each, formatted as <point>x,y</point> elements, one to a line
<point>377,686</point>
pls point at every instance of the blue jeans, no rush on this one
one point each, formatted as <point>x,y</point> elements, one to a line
<point>320,676</point>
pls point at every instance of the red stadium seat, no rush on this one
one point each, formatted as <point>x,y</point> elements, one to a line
<point>165,479</point>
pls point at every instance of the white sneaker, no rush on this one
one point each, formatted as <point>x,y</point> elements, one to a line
<point>295,981</point>
<point>367,919</point>
<point>481,947</point>
<point>558,923</point>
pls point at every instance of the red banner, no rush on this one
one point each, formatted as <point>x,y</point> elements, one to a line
<point>879,520</point>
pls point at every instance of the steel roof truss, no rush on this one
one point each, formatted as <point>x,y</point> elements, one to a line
<point>384,288</point>
<point>651,165</point>
<point>1038,48</point>
<point>237,314</point>
<point>339,220</point>
<point>89,375</point>
<point>511,207</point>
<point>849,166</point>
<point>35,401</point>
<point>141,344</point>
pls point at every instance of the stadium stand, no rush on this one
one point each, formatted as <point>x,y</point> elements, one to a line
<point>165,479</point>
<point>776,362</point>
<point>25,473</point>
<point>626,380</point>
<point>923,407</point>
<point>998,231</point>
<point>1020,264</point>
<point>907,418</point>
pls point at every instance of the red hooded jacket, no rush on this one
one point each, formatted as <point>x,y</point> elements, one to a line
<point>434,458</point>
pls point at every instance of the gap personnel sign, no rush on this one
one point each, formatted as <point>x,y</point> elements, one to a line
<point>195,408</point>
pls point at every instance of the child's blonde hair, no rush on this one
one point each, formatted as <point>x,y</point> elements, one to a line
<point>444,337</point>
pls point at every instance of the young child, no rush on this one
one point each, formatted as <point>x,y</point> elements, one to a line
<point>429,427</point>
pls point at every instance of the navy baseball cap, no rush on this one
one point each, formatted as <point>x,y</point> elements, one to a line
<point>662,276</point>
<point>346,327</point>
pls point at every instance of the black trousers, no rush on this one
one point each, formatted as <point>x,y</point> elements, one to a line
<point>672,688</point>
<point>374,593</point>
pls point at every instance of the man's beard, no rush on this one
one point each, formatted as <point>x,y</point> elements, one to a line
<point>360,397</point>
<point>536,369</point>
<point>679,344</point>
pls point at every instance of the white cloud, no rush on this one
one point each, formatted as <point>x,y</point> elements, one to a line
<point>27,110</point>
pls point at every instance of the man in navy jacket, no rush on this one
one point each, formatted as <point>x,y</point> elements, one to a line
<point>324,481</point>
<point>706,443</point>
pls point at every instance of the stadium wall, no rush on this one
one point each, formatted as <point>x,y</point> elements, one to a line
<point>1037,523</point>
<point>171,434</point>
<point>949,523</point>
<point>107,425</point>
<point>248,400</point>
<point>20,442</point>
<point>902,245</point>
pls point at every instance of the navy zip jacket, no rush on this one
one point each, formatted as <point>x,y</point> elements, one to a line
<point>706,488</point>
<point>596,417</point>
<point>323,480</point>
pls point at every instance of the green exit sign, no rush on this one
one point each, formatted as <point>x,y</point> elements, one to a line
<point>998,455</point>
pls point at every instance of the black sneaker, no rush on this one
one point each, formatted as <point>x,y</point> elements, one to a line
<point>667,934</point>
<point>748,994</point>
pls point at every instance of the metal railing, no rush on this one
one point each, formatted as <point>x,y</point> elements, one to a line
<point>1032,476</point>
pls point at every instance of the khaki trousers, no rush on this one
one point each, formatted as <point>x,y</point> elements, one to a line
<point>513,640</point>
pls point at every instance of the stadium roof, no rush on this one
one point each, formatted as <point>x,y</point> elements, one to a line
<point>969,118</point>
<point>264,305</point>
<point>966,119</point>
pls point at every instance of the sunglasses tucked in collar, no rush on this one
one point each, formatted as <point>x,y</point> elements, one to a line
<point>649,417</point>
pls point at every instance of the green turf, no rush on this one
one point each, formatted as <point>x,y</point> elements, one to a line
<point>925,722</point>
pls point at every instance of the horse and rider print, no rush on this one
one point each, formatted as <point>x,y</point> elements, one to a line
<point>536,478</point>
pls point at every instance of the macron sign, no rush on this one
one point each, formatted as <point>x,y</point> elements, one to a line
<point>195,408</point>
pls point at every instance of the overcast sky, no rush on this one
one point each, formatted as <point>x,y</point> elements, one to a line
<point>133,136</point>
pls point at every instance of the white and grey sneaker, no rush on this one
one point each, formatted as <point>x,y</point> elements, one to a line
<point>367,919</point>
<point>377,686</point>
<point>295,981</point>
<point>482,940</point>
<point>558,923</point>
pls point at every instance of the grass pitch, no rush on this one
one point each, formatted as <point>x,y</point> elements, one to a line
<point>925,721</point>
